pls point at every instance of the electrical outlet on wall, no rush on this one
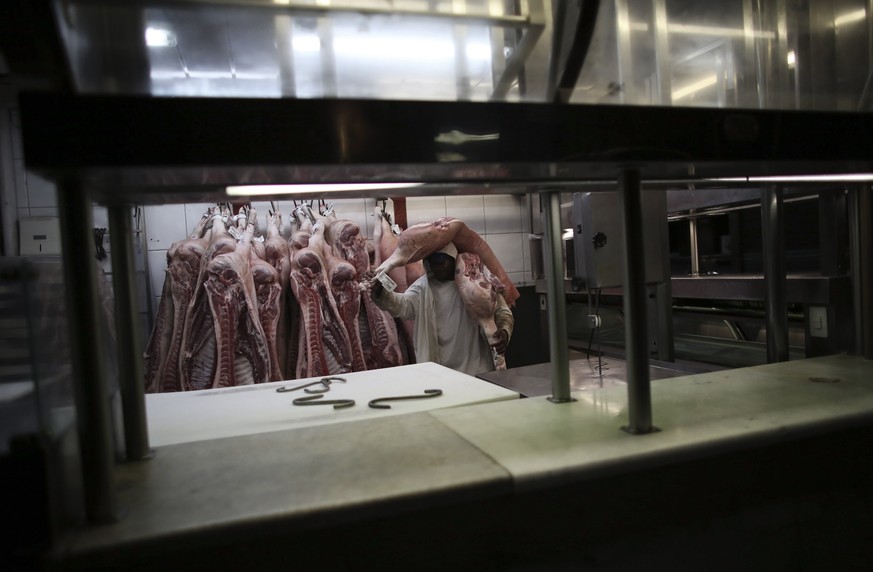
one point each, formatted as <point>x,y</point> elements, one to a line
<point>39,236</point>
<point>818,321</point>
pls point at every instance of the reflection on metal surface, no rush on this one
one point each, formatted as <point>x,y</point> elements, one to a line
<point>849,17</point>
<point>455,137</point>
<point>535,380</point>
<point>401,50</point>
<point>698,85</point>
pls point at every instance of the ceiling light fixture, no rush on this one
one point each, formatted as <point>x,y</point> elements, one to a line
<point>159,38</point>
<point>834,178</point>
<point>252,190</point>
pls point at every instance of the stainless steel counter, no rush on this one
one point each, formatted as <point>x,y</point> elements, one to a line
<point>535,380</point>
<point>233,489</point>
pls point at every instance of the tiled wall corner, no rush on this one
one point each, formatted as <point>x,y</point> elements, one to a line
<point>470,209</point>
<point>425,209</point>
<point>502,214</point>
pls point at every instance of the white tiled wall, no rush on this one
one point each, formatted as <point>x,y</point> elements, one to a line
<point>502,220</point>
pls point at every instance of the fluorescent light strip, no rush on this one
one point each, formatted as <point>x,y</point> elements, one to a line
<point>159,38</point>
<point>161,75</point>
<point>252,190</point>
<point>836,178</point>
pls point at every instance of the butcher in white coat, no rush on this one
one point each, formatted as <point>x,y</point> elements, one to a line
<point>445,332</point>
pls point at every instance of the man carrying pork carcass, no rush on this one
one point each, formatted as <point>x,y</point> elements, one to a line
<point>461,319</point>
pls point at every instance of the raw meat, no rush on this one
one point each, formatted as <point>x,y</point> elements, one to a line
<point>161,358</point>
<point>197,360</point>
<point>242,356</point>
<point>278,255</point>
<point>323,342</point>
<point>479,289</point>
<point>420,240</point>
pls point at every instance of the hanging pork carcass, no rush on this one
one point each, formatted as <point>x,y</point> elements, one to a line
<point>479,290</point>
<point>377,329</point>
<point>242,356</point>
<point>385,237</point>
<point>197,361</point>
<point>323,343</point>
<point>161,357</point>
<point>268,300</point>
<point>346,292</point>
<point>278,255</point>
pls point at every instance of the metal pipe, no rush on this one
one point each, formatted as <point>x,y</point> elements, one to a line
<point>664,304</point>
<point>865,312</point>
<point>695,255</point>
<point>557,304</point>
<point>639,391</point>
<point>87,360</point>
<point>775,304</point>
<point>855,265</point>
<point>516,62</point>
<point>558,25</point>
<point>127,328</point>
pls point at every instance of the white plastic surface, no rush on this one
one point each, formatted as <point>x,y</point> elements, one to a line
<point>213,413</point>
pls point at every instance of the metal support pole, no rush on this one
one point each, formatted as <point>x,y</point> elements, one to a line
<point>695,255</point>
<point>88,365</point>
<point>865,271</point>
<point>776,305</point>
<point>855,265</point>
<point>639,391</point>
<point>130,368</point>
<point>666,350</point>
<point>557,304</point>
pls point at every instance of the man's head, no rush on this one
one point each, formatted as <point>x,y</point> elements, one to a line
<point>442,262</point>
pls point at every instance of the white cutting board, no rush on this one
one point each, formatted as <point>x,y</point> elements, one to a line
<point>212,413</point>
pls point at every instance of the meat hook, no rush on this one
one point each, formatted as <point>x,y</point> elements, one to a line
<point>375,403</point>
<point>286,389</point>
<point>316,400</point>
<point>325,381</point>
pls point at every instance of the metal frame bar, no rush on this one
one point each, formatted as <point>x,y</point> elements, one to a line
<point>556,302</point>
<point>519,56</point>
<point>127,328</point>
<point>864,271</point>
<point>296,7</point>
<point>639,391</point>
<point>88,366</point>
<point>775,300</point>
